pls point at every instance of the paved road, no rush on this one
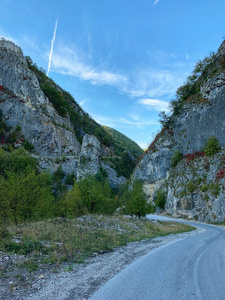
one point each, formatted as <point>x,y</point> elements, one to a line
<point>185,269</point>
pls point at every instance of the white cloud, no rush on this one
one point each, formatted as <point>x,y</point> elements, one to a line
<point>74,63</point>
<point>122,122</point>
<point>148,83</point>
<point>156,104</point>
<point>156,1</point>
<point>154,84</point>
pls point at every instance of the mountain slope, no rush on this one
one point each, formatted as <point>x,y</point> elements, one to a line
<point>123,143</point>
<point>51,121</point>
<point>198,114</point>
<point>66,106</point>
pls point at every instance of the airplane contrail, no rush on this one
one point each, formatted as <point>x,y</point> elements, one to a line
<point>155,2</point>
<point>52,45</point>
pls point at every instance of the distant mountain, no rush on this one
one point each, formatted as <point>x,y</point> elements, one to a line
<point>123,143</point>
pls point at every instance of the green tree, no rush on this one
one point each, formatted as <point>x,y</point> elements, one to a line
<point>25,196</point>
<point>91,195</point>
<point>16,161</point>
<point>137,204</point>
<point>74,203</point>
<point>4,204</point>
<point>160,198</point>
<point>212,146</point>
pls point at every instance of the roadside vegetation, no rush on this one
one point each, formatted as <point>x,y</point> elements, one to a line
<point>26,194</point>
<point>51,242</point>
<point>29,194</point>
<point>49,218</point>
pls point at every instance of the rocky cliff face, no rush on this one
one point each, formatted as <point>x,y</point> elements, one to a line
<point>23,103</point>
<point>188,132</point>
<point>196,189</point>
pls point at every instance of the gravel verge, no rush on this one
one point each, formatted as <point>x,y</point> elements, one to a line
<point>86,278</point>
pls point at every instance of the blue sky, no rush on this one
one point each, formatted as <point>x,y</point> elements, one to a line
<point>122,60</point>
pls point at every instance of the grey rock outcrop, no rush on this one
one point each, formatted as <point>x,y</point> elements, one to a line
<point>190,130</point>
<point>196,189</point>
<point>23,103</point>
<point>89,158</point>
<point>114,179</point>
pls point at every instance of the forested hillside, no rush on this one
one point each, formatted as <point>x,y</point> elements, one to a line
<point>123,142</point>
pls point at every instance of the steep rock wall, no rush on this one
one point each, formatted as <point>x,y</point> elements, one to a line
<point>196,189</point>
<point>190,129</point>
<point>23,103</point>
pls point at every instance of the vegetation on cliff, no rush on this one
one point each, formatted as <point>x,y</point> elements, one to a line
<point>190,92</point>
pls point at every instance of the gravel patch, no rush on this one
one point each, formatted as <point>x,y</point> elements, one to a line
<point>86,278</point>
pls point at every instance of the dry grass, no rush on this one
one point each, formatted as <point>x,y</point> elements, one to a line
<point>73,240</point>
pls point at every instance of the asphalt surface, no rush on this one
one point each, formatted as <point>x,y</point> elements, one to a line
<point>185,269</point>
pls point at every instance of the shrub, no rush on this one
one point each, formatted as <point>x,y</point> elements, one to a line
<point>25,197</point>
<point>17,161</point>
<point>204,187</point>
<point>28,146</point>
<point>214,188</point>
<point>136,203</point>
<point>192,156</point>
<point>160,198</point>
<point>212,146</point>
<point>191,186</point>
<point>177,156</point>
<point>220,174</point>
<point>25,247</point>
<point>91,195</point>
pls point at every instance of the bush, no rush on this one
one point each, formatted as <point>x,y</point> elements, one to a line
<point>17,161</point>
<point>214,188</point>
<point>91,195</point>
<point>28,146</point>
<point>212,146</point>
<point>25,196</point>
<point>191,186</point>
<point>204,187</point>
<point>160,198</point>
<point>25,247</point>
<point>177,156</point>
<point>136,203</point>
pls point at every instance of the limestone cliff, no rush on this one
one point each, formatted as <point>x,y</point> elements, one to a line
<point>194,120</point>
<point>60,131</point>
